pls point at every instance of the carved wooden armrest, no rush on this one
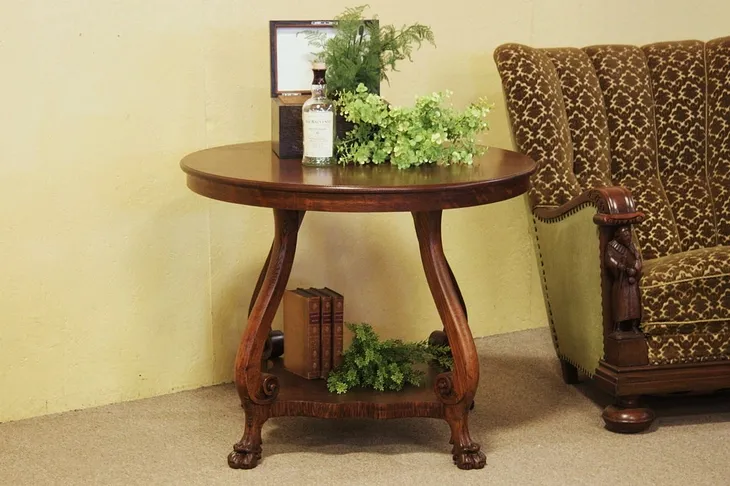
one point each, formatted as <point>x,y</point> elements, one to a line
<point>616,207</point>
<point>620,268</point>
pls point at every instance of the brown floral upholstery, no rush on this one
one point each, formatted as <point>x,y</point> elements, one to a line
<point>686,306</point>
<point>627,95</point>
<point>717,60</point>
<point>586,116</point>
<point>654,119</point>
<point>678,83</point>
<point>542,135</point>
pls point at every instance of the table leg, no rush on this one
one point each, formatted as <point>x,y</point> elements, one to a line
<point>268,346</point>
<point>258,390</point>
<point>455,388</point>
<point>439,336</point>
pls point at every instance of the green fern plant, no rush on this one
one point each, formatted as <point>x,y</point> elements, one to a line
<point>384,365</point>
<point>429,132</point>
<point>364,52</point>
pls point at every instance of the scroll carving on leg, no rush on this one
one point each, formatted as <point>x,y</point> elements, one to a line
<point>455,388</point>
<point>257,389</point>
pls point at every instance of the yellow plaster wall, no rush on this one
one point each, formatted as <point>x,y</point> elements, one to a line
<point>118,283</point>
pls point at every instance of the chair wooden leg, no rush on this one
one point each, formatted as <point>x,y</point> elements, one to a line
<point>626,417</point>
<point>570,373</point>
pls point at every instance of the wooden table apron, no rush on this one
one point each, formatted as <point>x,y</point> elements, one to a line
<point>251,174</point>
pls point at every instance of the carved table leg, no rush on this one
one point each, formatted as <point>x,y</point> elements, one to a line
<point>257,389</point>
<point>247,452</point>
<point>439,338</point>
<point>627,417</point>
<point>464,451</point>
<point>276,349</point>
<point>456,388</point>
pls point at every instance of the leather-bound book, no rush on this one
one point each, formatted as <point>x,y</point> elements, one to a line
<point>326,332</point>
<point>338,322</point>
<point>302,330</point>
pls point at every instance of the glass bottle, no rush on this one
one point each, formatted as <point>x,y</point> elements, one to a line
<point>318,122</point>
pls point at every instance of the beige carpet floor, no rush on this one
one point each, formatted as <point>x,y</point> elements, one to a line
<point>534,429</point>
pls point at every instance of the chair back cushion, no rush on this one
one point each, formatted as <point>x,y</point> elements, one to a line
<point>717,60</point>
<point>654,119</point>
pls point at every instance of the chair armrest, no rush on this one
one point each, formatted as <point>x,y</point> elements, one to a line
<point>568,247</point>
<point>615,205</point>
<point>586,302</point>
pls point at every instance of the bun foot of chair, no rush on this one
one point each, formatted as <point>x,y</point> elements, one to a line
<point>626,417</point>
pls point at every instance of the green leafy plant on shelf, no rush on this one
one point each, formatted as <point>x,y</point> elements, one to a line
<point>384,365</point>
<point>363,51</point>
<point>427,132</point>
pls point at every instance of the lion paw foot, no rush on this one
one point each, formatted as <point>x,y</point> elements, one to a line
<point>470,457</point>
<point>244,459</point>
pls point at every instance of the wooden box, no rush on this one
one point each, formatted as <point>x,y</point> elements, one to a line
<point>291,81</point>
<point>286,126</point>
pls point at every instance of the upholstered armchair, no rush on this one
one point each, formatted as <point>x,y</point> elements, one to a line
<point>631,211</point>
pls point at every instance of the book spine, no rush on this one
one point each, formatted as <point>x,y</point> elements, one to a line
<point>326,336</point>
<point>338,313</point>
<point>313,338</point>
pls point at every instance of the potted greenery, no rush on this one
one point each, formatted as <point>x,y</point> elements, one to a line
<point>368,128</point>
<point>428,132</point>
<point>363,51</point>
<point>387,365</point>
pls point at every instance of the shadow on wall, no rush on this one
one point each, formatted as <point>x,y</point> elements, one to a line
<point>374,260</point>
<point>169,301</point>
<point>230,315</point>
<point>240,241</point>
<point>244,236</point>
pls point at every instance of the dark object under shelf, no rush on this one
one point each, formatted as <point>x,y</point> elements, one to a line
<point>274,347</point>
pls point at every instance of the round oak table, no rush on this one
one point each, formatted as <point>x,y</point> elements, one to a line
<point>253,175</point>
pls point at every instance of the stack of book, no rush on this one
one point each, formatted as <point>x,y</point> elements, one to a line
<point>313,327</point>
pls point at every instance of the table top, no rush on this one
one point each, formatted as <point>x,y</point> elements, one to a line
<point>252,174</point>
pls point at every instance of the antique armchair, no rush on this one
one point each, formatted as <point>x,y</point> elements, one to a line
<point>631,211</point>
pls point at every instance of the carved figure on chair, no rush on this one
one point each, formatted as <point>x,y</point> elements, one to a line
<point>624,262</point>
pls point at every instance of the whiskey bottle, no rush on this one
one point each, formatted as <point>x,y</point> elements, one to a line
<point>318,122</point>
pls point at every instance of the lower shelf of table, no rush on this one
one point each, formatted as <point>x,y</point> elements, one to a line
<point>310,398</point>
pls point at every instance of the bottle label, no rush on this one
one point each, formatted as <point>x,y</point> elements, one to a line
<point>318,128</point>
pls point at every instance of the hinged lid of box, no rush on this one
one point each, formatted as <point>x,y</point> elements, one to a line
<point>292,56</point>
